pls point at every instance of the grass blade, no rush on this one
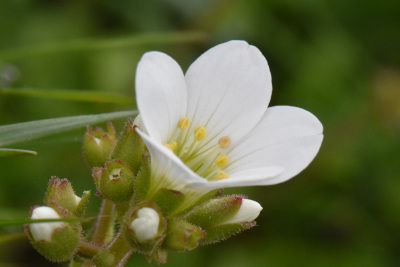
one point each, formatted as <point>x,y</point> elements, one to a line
<point>104,43</point>
<point>75,95</point>
<point>20,132</point>
<point>15,152</point>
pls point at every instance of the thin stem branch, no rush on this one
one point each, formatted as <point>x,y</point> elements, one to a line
<point>104,229</point>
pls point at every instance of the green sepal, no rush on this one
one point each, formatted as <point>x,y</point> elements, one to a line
<point>222,232</point>
<point>159,256</point>
<point>114,182</point>
<point>214,212</point>
<point>60,194</point>
<point>63,245</point>
<point>210,195</point>
<point>103,258</point>
<point>168,200</point>
<point>129,147</point>
<point>182,236</point>
<point>143,179</point>
<point>98,145</point>
<point>147,247</point>
<point>81,207</point>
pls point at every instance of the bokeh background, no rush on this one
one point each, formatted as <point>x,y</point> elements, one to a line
<point>338,59</point>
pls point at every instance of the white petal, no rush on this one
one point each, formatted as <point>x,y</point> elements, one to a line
<point>160,93</point>
<point>44,230</point>
<point>229,88</point>
<point>256,176</point>
<point>146,224</point>
<point>286,136</point>
<point>167,167</point>
<point>248,212</point>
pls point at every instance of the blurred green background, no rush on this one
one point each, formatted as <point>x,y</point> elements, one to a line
<point>338,59</point>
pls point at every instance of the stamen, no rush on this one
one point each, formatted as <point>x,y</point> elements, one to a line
<point>171,146</point>
<point>183,123</point>
<point>224,141</point>
<point>199,133</point>
<point>222,175</point>
<point>221,160</point>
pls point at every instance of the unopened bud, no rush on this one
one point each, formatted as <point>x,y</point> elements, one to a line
<point>61,194</point>
<point>44,230</point>
<point>115,181</point>
<point>144,227</point>
<point>223,217</point>
<point>248,212</point>
<point>98,145</point>
<point>182,236</point>
<point>57,241</point>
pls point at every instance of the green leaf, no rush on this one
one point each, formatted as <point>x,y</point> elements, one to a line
<point>19,132</point>
<point>15,152</point>
<point>94,44</point>
<point>75,95</point>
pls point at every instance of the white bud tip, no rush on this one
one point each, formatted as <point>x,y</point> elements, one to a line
<point>146,224</point>
<point>44,230</point>
<point>248,212</point>
<point>77,199</point>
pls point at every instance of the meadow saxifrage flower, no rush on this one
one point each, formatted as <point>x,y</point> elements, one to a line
<point>212,128</point>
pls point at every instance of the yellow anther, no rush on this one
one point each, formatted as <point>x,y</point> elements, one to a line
<point>183,123</point>
<point>199,133</point>
<point>171,146</point>
<point>224,142</point>
<point>221,160</point>
<point>222,175</point>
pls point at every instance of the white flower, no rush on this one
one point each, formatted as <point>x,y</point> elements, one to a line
<point>146,224</point>
<point>211,128</point>
<point>44,230</point>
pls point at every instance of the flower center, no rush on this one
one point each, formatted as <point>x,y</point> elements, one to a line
<point>202,156</point>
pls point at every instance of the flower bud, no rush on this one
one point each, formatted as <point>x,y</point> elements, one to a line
<point>248,212</point>
<point>223,217</point>
<point>61,194</point>
<point>144,227</point>
<point>130,147</point>
<point>114,182</point>
<point>57,241</point>
<point>44,230</point>
<point>98,145</point>
<point>182,235</point>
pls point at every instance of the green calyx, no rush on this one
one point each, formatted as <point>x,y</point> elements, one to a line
<point>182,235</point>
<point>114,182</point>
<point>98,145</point>
<point>130,147</point>
<point>63,245</point>
<point>130,234</point>
<point>60,194</point>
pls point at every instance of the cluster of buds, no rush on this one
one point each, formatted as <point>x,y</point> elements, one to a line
<point>152,225</point>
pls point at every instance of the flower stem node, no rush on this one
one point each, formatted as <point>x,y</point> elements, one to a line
<point>115,181</point>
<point>98,145</point>
<point>57,241</point>
<point>223,217</point>
<point>144,227</point>
<point>60,194</point>
<point>182,236</point>
<point>130,147</point>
